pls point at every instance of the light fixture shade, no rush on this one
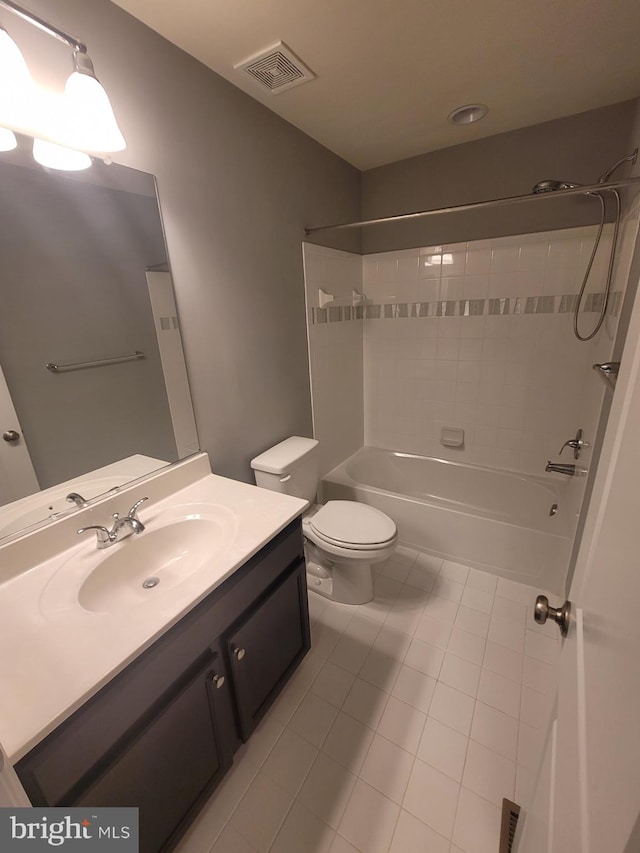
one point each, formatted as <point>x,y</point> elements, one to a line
<point>58,157</point>
<point>16,86</point>
<point>90,114</point>
<point>8,140</point>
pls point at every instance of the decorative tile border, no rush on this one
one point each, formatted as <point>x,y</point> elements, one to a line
<point>503,306</point>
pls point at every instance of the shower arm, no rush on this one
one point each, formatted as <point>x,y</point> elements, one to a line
<point>587,189</point>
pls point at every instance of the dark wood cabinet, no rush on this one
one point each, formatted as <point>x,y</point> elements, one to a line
<point>162,734</point>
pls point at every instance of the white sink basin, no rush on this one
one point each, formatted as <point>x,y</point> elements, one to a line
<point>134,572</point>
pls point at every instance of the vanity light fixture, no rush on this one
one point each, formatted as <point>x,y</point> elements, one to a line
<point>66,127</point>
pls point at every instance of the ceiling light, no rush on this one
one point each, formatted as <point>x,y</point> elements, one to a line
<point>80,120</point>
<point>468,114</point>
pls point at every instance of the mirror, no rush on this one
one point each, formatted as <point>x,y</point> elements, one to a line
<point>93,384</point>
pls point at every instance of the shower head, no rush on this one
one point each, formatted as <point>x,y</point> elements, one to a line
<point>552,186</point>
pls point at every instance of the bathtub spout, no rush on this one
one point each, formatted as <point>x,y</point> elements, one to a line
<point>569,470</point>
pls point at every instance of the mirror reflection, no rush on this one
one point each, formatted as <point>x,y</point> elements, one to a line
<point>93,385</point>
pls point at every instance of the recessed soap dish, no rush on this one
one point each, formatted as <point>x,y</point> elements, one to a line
<point>452,436</point>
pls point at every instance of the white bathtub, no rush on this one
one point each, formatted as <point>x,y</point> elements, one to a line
<point>494,520</point>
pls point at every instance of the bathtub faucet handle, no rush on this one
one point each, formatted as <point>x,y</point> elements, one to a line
<point>577,443</point>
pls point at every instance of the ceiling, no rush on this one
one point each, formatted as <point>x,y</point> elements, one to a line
<point>390,71</point>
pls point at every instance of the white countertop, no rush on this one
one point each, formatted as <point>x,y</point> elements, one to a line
<point>54,658</point>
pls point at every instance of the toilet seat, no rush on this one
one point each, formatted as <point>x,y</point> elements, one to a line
<point>352,526</point>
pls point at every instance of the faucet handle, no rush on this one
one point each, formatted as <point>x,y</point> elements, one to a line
<point>577,444</point>
<point>103,535</point>
<point>133,512</point>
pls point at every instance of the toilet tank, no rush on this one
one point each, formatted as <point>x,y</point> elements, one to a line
<point>290,467</point>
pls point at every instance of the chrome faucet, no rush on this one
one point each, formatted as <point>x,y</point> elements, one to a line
<point>75,498</point>
<point>577,444</point>
<point>122,527</point>
<point>561,468</point>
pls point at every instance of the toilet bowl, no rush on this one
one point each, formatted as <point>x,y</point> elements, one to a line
<point>343,539</point>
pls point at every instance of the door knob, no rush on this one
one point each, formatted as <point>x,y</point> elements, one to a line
<point>218,681</point>
<point>560,615</point>
<point>239,653</point>
<point>11,436</point>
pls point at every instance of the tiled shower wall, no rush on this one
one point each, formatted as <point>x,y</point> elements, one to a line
<point>478,336</point>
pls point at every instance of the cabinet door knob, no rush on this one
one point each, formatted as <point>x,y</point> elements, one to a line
<point>239,653</point>
<point>218,681</point>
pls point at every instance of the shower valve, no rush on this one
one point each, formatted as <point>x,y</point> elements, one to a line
<point>577,443</point>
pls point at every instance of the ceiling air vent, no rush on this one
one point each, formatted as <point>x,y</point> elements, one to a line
<point>277,68</point>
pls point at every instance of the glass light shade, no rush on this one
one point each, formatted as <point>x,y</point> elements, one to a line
<point>8,140</point>
<point>16,85</point>
<point>58,157</point>
<point>92,124</point>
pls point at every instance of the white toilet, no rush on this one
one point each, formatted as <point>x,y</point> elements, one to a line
<point>342,538</point>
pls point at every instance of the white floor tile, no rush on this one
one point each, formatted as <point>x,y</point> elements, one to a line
<point>230,841</point>
<point>399,564</point>
<point>387,768</point>
<point>515,591</point>
<point>365,702</point>
<point>541,647</point>
<point>348,742</point>
<point>482,580</point>
<point>430,562</point>
<point>441,608</point>
<point>432,798</point>
<point>413,836</point>
<point>452,708</point>
<point>507,609</point>
<point>434,631</point>
<point>535,708</point>
<point>341,845</point>
<point>290,760</point>
<point>369,820</point>
<point>327,789</point>
<point>353,647</point>
<point>303,832</point>
<point>466,645</point>
<point>448,589</point>
<point>313,719</point>
<point>405,613</point>
<point>499,692</point>
<point>530,746</point>
<point>425,658</point>
<point>443,748</point>
<point>472,621</point>
<point>454,571</point>
<point>261,811</point>
<point>262,740</point>
<point>460,673</point>
<point>288,702</point>
<point>504,661</point>
<point>538,675</point>
<point>380,669</point>
<point>507,632</point>
<point>402,724</point>
<point>477,599</point>
<point>422,576</point>
<point>495,730</point>
<point>489,774</point>
<point>414,687</point>
<point>477,826</point>
<point>333,684</point>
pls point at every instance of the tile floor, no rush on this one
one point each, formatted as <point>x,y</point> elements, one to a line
<point>408,721</point>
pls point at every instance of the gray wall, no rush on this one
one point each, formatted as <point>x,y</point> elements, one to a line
<point>237,185</point>
<point>73,270</point>
<point>577,149</point>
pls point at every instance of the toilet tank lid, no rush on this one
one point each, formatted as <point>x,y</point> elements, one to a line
<point>280,458</point>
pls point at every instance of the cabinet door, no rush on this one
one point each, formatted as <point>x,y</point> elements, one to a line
<point>176,757</point>
<point>267,645</point>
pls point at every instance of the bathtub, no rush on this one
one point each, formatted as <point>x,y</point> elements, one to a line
<point>494,520</point>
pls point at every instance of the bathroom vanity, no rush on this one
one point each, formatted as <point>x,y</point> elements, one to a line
<point>159,730</point>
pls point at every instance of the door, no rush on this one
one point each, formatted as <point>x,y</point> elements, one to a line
<point>587,797</point>
<point>17,477</point>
